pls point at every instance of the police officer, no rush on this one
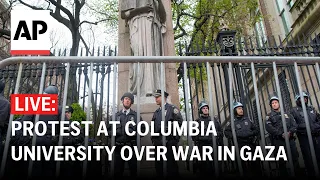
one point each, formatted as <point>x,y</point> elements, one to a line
<point>172,113</point>
<point>71,168</point>
<point>274,127</point>
<point>4,116</point>
<point>43,167</point>
<point>122,139</point>
<point>246,133</point>
<point>207,167</point>
<point>314,121</point>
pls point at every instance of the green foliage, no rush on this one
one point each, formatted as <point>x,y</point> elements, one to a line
<point>111,9</point>
<point>78,114</point>
<point>16,116</point>
<point>203,19</point>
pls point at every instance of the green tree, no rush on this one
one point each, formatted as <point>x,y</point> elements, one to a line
<point>199,21</point>
<point>78,114</point>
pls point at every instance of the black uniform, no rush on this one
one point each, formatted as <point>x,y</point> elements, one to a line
<point>275,128</point>
<point>122,139</point>
<point>4,120</point>
<point>314,120</point>
<point>171,114</point>
<point>246,133</point>
<point>207,167</point>
<point>43,167</point>
<point>72,168</point>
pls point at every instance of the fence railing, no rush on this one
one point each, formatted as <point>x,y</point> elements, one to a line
<point>217,68</point>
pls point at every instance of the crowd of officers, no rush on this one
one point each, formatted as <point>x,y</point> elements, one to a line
<point>247,134</point>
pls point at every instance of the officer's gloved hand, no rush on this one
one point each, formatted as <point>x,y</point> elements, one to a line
<point>286,134</point>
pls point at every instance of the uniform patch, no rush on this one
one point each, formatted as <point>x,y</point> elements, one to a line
<point>228,123</point>
<point>246,123</point>
<point>176,111</point>
<point>268,122</point>
<point>286,116</point>
<point>131,119</point>
<point>267,117</point>
<point>311,112</point>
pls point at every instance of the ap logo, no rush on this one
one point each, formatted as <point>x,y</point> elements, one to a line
<point>30,32</point>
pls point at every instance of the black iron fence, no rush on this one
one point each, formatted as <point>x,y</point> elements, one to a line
<point>227,44</point>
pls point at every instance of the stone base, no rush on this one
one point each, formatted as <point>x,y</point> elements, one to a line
<point>145,100</point>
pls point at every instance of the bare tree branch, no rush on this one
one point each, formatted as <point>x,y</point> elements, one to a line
<point>94,23</point>
<point>30,6</point>
<point>85,45</point>
<point>62,8</point>
<point>5,32</point>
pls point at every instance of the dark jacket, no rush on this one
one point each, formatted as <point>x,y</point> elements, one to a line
<point>172,113</point>
<point>313,116</point>
<point>4,111</point>
<point>47,139</point>
<point>208,139</point>
<point>73,140</point>
<point>121,137</point>
<point>244,128</point>
<point>274,124</point>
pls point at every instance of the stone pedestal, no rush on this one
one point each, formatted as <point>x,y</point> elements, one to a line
<point>147,104</point>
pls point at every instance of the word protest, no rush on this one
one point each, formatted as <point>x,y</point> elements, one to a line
<point>142,128</point>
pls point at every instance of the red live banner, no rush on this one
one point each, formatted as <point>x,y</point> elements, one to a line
<point>42,104</point>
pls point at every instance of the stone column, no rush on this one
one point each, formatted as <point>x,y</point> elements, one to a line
<point>171,79</point>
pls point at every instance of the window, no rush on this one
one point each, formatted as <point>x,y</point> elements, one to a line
<point>280,6</point>
<point>283,15</point>
<point>290,3</point>
<point>260,32</point>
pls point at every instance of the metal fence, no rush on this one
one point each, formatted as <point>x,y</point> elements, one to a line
<point>221,87</point>
<point>256,107</point>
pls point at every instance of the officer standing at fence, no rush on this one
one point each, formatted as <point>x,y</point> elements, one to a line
<point>246,133</point>
<point>314,121</point>
<point>274,127</point>
<point>4,117</point>
<point>72,168</point>
<point>172,113</point>
<point>207,167</point>
<point>45,168</point>
<point>122,139</point>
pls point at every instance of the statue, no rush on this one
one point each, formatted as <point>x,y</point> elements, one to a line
<point>145,19</point>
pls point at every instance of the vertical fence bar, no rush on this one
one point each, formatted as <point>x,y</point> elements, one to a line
<point>230,74</point>
<point>263,139</point>
<point>214,140</point>
<point>34,138</point>
<point>216,90</point>
<point>285,130</point>
<point>113,115</point>
<point>8,136</point>
<point>313,155</point>
<point>85,163</point>
<point>222,93</point>
<point>313,88</point>
<point>64,103</point>
<point>162,83</point>
<point>138,115</point>
<point>186,102</point>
